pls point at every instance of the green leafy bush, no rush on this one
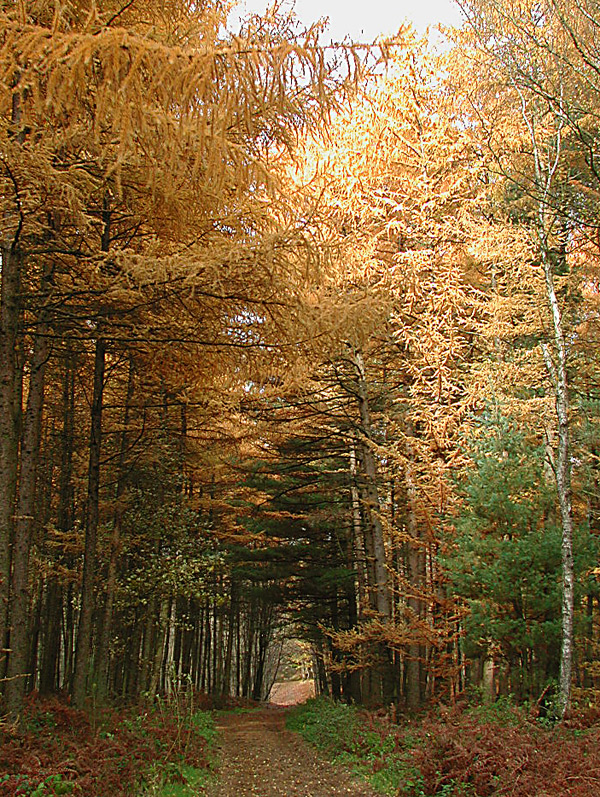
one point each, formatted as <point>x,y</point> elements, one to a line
<point>328,725</point>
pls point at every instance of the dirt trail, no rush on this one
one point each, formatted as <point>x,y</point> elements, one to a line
<point>258,756</point>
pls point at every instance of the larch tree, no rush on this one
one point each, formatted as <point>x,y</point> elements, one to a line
<point>397,187</point>
<point>140,157</point>
<point>536,116</point>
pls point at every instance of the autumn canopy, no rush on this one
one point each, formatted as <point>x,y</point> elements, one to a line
<point>298,341</point>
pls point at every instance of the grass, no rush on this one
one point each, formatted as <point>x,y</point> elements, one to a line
<point>176,775</point>
<point>349,736</point>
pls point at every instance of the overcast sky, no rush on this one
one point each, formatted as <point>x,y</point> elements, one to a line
<point>364,20</point>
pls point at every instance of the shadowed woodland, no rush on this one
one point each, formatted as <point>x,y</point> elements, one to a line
<point>299,341</point>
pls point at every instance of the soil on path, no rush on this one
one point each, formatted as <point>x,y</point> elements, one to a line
<point>258,756</point>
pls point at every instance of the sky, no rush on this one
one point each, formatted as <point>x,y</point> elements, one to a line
<point>364,20</point>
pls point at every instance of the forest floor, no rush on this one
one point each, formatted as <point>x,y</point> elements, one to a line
<point>176,747</point>
<point>258,756</point>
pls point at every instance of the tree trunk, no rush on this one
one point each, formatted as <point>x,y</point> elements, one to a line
<point>371,492</point>
<point>84,634</point>
<point>360,556</point>
<point>10,388</point>
<point>65,515</point>
<point>373,530</point>
<point>558,374</point>
<point>249,647</point>
<point>159,647</point>
<point>9,425</point>
<point>115,546</point>
<point>23,530</point>
<point>233,610</point>
<point>51,631</point>
<point>416,572</point>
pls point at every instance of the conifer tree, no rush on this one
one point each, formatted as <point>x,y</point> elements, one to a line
<point>139,180</point>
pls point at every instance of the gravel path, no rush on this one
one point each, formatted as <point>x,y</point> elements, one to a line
<point>258,756</point>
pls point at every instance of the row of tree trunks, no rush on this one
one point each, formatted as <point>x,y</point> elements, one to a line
<point>220,648</point>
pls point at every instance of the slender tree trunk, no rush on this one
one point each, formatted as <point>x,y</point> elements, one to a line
<point>233,609</point>
<point>557,370</point>
<point>147,646</point>
<point>54,594</point>
<point>416,572</point>
<point>206,651</point>
<point>84,634</point>
<point>51,630</point>
<point>359,552</point>
<point>32,668</point>
<point>115,546</point>
<point>374,536</point>
<point>373,508</point>
<point>249,647</point>
<point>68,636</point>
<point>159,647</point>
<point>23,531</point>
<point>169,669</point>
<point>9,426</point>
<point>10,387</point>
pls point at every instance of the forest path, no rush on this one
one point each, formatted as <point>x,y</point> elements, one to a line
<point>258,756</point>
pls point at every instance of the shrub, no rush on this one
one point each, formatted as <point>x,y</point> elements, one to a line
<point>58,751</point>
<point>490,752</point>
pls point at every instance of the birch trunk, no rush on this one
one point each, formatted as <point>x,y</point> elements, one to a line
<point>558,373</point>
<point>546,161</point>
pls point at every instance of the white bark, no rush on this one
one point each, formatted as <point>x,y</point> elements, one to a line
<point>557,370</point>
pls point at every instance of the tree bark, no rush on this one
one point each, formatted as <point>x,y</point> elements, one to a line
<point>115,546</point>
<point>10,390</point>
<point>233,611</point>
<point>84,633</point>
<point>159,647</point>
<point>558,374</point>
<point>65,515</point>
<point>9,426</point>
<point>23,530</point>
<point>416,571</point>
<point>373,530</point>
<point>371,492</point>
<point>360,555</point>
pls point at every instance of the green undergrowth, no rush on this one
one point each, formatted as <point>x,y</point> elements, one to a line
<point>349,736</point>
<point>467,751</point>
<point>176,776</point>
